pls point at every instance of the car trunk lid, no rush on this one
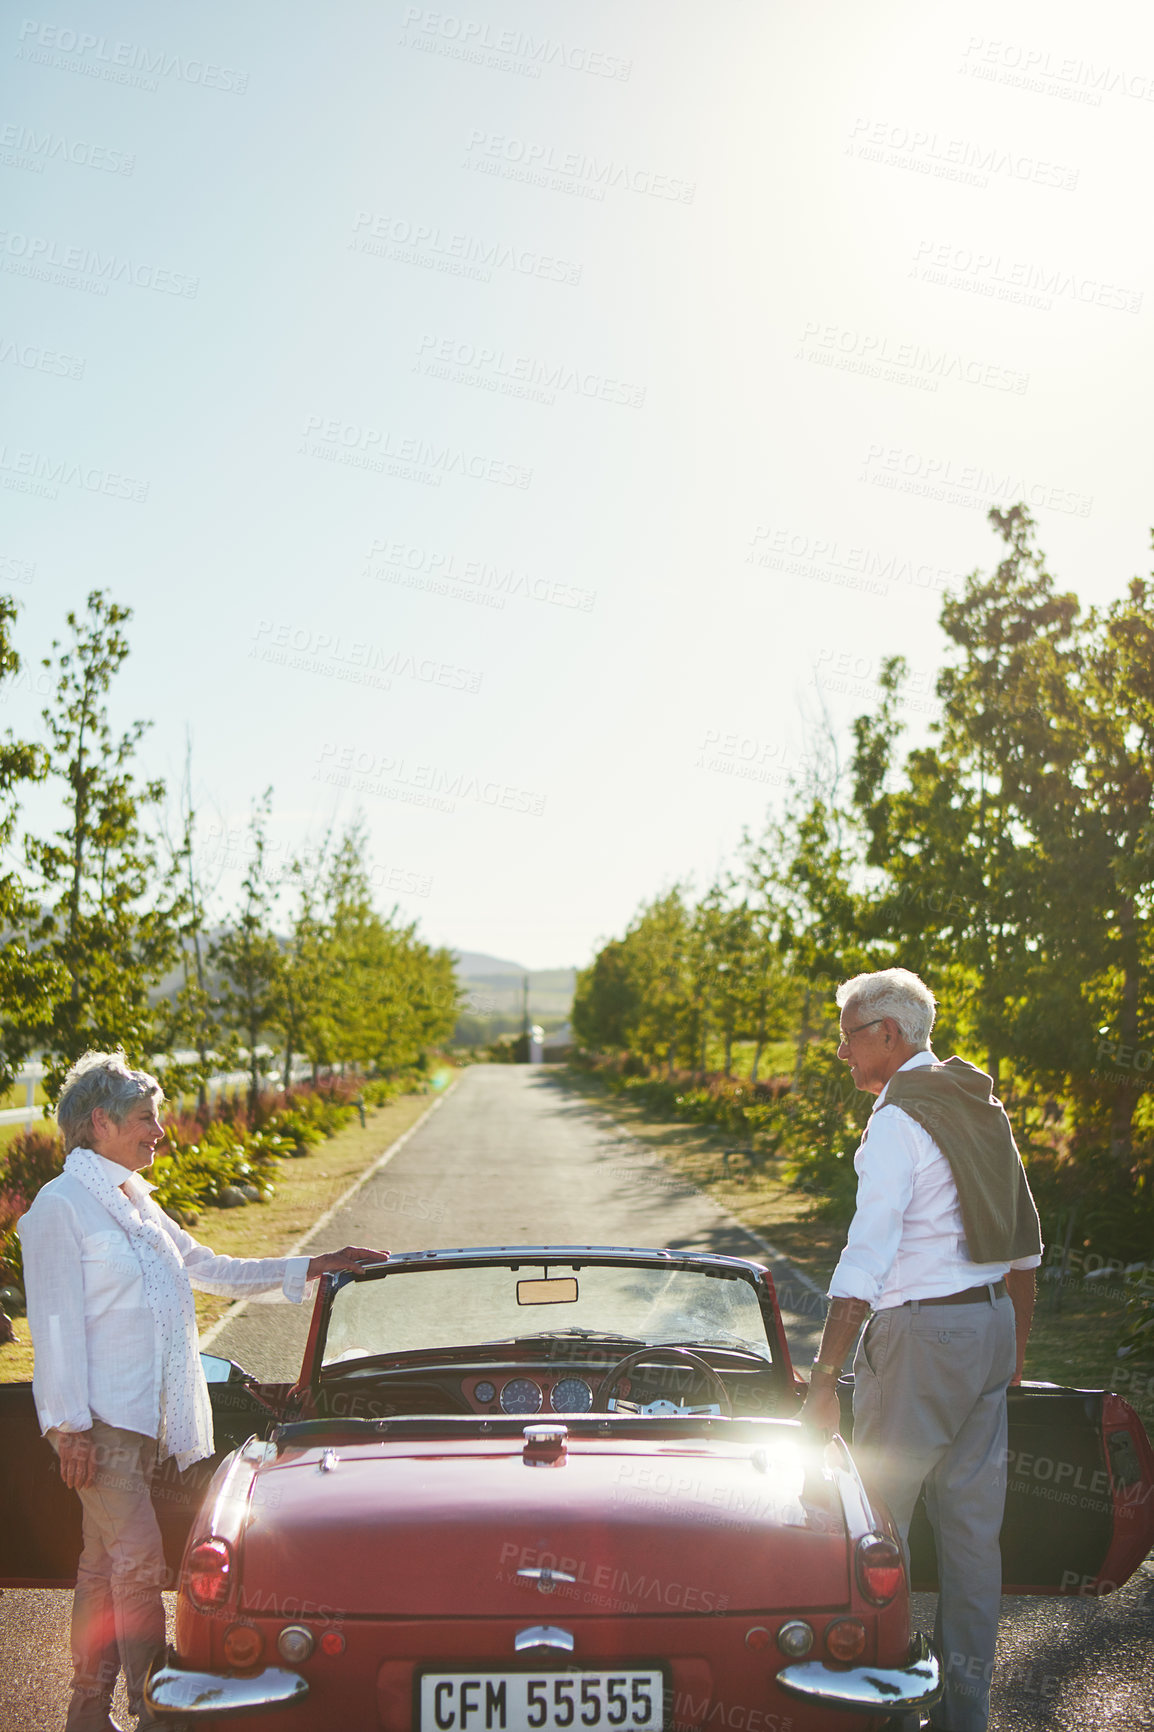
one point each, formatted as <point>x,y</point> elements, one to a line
<point>604,1526</point>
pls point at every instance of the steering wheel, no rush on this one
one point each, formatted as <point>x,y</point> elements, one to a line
<point>682,1356</point>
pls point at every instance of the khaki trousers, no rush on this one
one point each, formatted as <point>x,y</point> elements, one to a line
<point>930,1410</point>
<point>117,1611</point>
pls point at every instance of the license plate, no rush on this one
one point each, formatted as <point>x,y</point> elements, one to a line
<point>629,1700</point>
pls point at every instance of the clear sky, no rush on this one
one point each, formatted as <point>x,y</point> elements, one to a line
<point>502,420</point>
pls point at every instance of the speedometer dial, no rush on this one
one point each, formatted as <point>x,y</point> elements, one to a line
<point>571,1395</point>
<point>521,1395</point>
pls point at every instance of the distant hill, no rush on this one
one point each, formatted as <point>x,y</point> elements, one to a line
<point>471,962</point>
<point>494,1003</point>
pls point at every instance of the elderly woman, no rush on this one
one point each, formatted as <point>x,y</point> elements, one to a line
<point>118,1383</point>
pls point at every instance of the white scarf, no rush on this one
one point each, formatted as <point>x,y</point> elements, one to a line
<point>185,1412</point>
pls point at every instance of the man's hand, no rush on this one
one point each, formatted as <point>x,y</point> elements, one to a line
<point>77,1458</point>
<point>822,1409</point>
<point>350,1261</point>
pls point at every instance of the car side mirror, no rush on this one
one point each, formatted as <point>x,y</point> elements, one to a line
<point>217,1370</point>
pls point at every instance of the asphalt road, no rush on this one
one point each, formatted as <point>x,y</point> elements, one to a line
<point>511,1156</point>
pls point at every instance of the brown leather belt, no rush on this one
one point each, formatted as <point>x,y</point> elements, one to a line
<point>972,1296</point>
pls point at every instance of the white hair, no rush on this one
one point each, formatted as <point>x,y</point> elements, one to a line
<point>893,992</point>
<point>107,1081</point>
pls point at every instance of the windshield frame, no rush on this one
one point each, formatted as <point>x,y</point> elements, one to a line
<point>536,1256</point>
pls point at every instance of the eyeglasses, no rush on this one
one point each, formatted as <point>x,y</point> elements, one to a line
<point>849,1033</point>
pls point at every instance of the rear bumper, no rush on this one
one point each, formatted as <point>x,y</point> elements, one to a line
<point>173,1690</point>
<point>869,1689</point>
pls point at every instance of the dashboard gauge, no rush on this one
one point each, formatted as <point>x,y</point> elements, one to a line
<point>484,1391</point>
<point>521,1395</point>
<point>571,1395</point>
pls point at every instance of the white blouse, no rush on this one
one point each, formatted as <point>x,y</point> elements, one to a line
<point>90,1323</point>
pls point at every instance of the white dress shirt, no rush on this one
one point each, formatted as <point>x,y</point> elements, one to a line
<point>906,1240</point>
<point>90,1323</point>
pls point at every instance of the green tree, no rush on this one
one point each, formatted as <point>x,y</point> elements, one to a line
<point>605,1004</point>
<point>191,1016</point>
<point>373,994</point>
<point>109,916</point>
<point>658,943</point>
<point>247,955</point>
<point>30,979</point>
<point>306,1023</point>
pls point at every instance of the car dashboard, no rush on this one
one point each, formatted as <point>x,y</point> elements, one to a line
<point>555,1380</point>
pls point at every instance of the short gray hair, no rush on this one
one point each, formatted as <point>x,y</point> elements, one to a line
<point>893,992</point>
<point>104,1080</point>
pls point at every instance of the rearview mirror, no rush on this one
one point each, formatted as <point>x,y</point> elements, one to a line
<point>557,1290</point>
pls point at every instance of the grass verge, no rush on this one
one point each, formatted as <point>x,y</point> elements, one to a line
<point>304,1190</point>
<point>1072,1345</point>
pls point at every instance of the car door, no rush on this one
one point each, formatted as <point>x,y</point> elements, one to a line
<point>40,1517</point>
<point>1079,1493</point>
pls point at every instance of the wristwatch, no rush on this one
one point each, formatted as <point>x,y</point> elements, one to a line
<point>830,1370</point>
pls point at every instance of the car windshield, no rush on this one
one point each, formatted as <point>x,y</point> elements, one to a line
<point>415,1308</point>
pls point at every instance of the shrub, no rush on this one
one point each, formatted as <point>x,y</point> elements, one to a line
<point>33,1157</point>
<point>12,1206</point>
<point>295,1127</point>
<point>378,1091</point>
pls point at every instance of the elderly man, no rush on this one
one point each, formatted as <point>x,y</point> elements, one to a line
<point>942,1249</point>
<point>118,1383</point>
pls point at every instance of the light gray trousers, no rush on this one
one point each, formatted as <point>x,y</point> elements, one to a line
<point>930,1409</point>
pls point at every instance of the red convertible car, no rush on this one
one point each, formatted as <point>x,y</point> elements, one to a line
<point>562,1489</point>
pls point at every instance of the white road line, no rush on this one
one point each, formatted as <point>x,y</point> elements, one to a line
<point>237,1308</point>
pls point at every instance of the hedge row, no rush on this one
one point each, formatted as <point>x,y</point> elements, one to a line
<point>222,1157</point>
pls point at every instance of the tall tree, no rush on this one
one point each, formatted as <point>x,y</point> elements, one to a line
<point>247,955</point>
<point>109,915</point>
<point>190,1018</point>
<point>30,979</point>
<point>305,995</point>
<point>605,1000</point>
<point>658,943</point>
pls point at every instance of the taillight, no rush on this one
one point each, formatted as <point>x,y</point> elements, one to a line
<point>208,1574</point>
<point>243,1646</point>
<point>880,1570</point>
<point>845,1639</point>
